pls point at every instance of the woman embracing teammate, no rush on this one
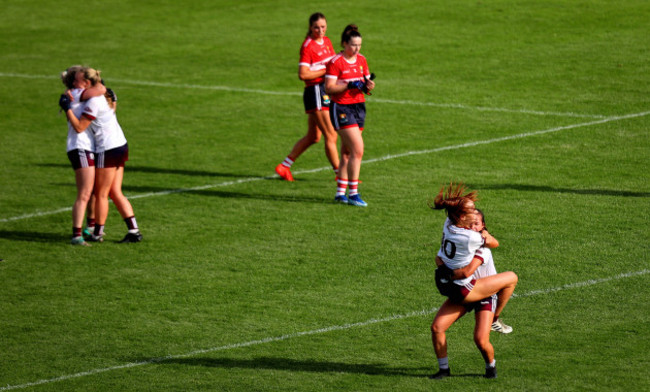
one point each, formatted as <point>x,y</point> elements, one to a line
<point>464,248</point>
<point>95,141</point>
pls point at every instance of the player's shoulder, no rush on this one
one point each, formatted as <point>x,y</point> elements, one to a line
<point>461,231</point>
<point>337,57</point>
<point>97,99</point>
<point>98,102</point>
<point>307,42</point>
<point>76,93</point>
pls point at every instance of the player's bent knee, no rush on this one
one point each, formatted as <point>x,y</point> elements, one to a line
<point>482,342</point>
<point>85,196</point>
<point>509,277</point>
<point>438,328</point>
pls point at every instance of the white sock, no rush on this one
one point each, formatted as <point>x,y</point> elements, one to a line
<point>287,162</point>
<point>443,363</point>
<point>491,364</point>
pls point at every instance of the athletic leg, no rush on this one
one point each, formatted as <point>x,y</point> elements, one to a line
<point>351,138</point>
<point>503,283</point>
<point>322,118</point>
<point>482,334</point>
<point>103,180</point>
<point>312,137</point>
<point>482,339</point>
<point>121,202</point>
<point>124,207</point>
<point>85,179</point>
<point>448,313</point>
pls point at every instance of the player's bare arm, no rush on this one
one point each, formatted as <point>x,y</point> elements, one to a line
<point>332,87</point>
<point>490,241</point>
<point>304,73</point>
<point>93,91</point>
<point>464,272</point>
<point>79,124</point>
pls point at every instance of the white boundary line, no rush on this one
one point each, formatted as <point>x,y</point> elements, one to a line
<point>343,327</point>
<point>380,159</point>
<point>486,109</point>
<point>285,93</point>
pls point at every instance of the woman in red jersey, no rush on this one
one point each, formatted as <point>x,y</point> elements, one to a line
<point>315,52</point>
<point>346,80</point>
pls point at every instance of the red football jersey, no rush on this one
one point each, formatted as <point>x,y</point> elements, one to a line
<point>343,71</point>
<point>315,56</point>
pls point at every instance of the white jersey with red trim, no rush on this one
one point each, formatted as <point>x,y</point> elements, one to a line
<point>315,55</point>
<point>83,140</point>
<point>487,268</point>
<point>459,246</point>
<point>104,126</point>
<point>344,71</point>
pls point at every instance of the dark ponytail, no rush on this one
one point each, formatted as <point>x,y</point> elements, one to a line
<point>350,31</point>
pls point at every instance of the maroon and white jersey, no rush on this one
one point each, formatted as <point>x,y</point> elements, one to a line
<point>459,246</point>
<point>79,141</point>
<point>343,72</point>
<point>315,55</point>
<point>487,268</point>
<point>104,126</point>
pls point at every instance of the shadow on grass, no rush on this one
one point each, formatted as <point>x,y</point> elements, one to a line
<point>159,170</point>
<point>131,190</point>
<point>262,196</point>
<point>33,236</point>
<point>298,366</point>
<point>550,189</point>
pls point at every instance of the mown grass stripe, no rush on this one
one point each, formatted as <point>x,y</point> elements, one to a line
<point>367,161</point>
<point>366,323</point>
<point>298,94</point>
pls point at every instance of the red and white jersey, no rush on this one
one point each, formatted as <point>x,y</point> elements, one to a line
<point>83,140</point>
<point>315,55</point>
<point>459,246</point>
<point>104,126</point>
<point>487,268</point>
<point>343,72</point>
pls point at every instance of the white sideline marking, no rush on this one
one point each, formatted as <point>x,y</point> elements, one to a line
<point>286,93</point>
<point>486,109</point>
<point>380,159</point>
<point>424,312</point>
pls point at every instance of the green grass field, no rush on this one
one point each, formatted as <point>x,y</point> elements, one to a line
<point>247,283</point>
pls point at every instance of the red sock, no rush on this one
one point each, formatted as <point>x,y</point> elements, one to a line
<point>354,187</point>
